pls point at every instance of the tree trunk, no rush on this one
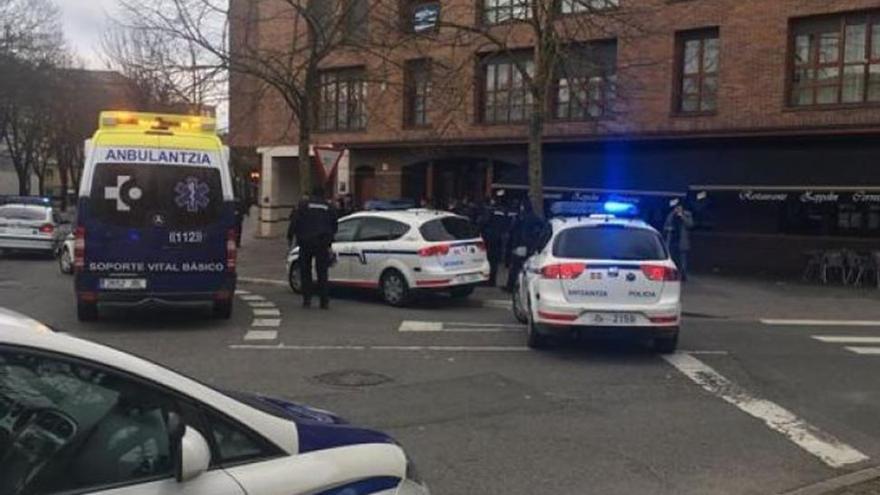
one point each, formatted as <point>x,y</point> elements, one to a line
<point>24,182</point>
<point>41,184</point>
<point>305,160</point>
<point>536,136</point>
<point>63,171</point>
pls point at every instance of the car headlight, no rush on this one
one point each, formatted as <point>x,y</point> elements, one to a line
<point>413,484</point>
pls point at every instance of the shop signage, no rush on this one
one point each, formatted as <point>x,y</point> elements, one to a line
<point>811,196</point>
<point>866,197</point>
<point>814,197</point>
<point>762,196</point>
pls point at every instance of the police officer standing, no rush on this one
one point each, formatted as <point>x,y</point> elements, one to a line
<point>528,236</point>
<point>494,227</point>
<point>314,228</point>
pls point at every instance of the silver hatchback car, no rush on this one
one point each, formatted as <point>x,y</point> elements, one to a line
<point>28,227</point>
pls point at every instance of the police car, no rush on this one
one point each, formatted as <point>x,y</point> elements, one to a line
<point>30,226</point>
<point>403,252</point>
<point>600,273</point>
<point>78,417</point>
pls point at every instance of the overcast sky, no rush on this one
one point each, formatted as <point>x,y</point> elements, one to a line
<point>84,21</point>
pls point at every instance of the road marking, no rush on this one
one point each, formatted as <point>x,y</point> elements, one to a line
<point>252,297</point>
<point>818,443</point>
<point>400,348</point>
<point>439,326</point>
<point>867,351</point>
<point>826,323</point>
<point>266,322</point>
<point>261,304</point>
<point>261,335</point>
<point>847,339</point>
<point>241,292</point>
<point>267,312</point>
<point>263,281</point>
<point>707,353</point>
<point>497,303</point>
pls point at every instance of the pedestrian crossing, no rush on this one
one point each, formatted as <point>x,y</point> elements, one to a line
<point>856,344</point>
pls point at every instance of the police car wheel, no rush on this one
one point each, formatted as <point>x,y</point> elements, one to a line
<point>293,278</point>
<point>65,262</point>
<point>395,290</point>
<point>535,339</point>
<point>518,311</point>
<point>666,345</point>
<point>461,292</point>
<point>86,311</point>
<point>222,310</point>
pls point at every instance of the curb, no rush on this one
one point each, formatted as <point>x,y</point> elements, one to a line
<point>845,481</point>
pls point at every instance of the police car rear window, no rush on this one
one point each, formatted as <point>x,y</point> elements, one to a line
<point>448,229</point>
<point>20,213</point>
<point>609,242</point>
<point>132,195</point>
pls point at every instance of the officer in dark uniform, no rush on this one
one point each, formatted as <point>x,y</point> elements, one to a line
<point>528,237</point>
<point>314,228</point>
<point>494,227</point>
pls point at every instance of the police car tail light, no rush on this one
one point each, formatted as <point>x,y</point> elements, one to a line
<point>659,273</point>
<point>79,248</point>
<point>231,249</point>
<point>563,271</point>
<point>438,250</point>
<point>481,245</point>
<point>47,229</point>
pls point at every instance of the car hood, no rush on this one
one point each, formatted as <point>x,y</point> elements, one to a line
<point>317,429</point>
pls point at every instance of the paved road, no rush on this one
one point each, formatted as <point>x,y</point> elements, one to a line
<point>749,408</point>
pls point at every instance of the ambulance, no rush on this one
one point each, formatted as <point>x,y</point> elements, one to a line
<point>155,219</point>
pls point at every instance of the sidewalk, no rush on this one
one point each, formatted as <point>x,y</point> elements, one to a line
<point>710,296</point>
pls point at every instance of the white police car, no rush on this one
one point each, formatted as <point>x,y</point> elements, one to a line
<point>402,252</point>
<point>603,274</point>
<point>78,417</point>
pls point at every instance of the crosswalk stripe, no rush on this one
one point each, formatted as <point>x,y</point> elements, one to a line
<point>819,323</point>
<point>266,322</point>
<point>497,303</point>
<point>261,304</point>
<point>439,326</point>
<point>868,351</point>
<point>252,297</point>
<point>846,339</point>
<point>267,312</point>
<point>242,292</point>
<point>261,335</point>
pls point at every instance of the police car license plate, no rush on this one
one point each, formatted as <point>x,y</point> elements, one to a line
<point>611,318</point>
<point>468,278</point>
<point>124,283</point>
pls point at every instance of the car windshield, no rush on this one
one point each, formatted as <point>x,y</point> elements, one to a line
<point>448,229</point>
<point>22,213</point>
<point>609,242</point>
<point>129,195</point>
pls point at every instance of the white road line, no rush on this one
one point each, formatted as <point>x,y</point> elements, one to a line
<point>263,281</point>
<point>826,323</point>
<point>267,312</point>
<point>252,297</point>
<point>818,443</point>
<point>439,326</point>
<point>261,304</point>
<point>401,348</point>
<point>240,292</point>
<point>497,303</point>
<point>261,335</point>
<point>868,351</point>
<point>707,353</point>
<point>266,322</point>
<point>847,339</point>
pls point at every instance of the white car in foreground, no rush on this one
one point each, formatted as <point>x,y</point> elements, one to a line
<point>602,275</point>
<point>403,252</point>
<point>78,417</point>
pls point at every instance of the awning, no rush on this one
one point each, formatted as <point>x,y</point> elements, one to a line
<point>588,190</point>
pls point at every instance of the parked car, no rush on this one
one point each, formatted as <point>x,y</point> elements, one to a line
<point>79,417</point>
<point>31,228</point>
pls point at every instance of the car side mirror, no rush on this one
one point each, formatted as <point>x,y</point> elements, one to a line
<point>190,450</point>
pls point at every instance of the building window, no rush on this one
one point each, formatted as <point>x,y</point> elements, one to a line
<point>505,95</point>
<point>356,16</point>
<point>699,54</point>
<point>836,60</point>
<point>417,92</point>
<point>342,106</point>
<point>498,11</point>
<point>585,86</point>
<point>422,16</point>
<point>578,6</point>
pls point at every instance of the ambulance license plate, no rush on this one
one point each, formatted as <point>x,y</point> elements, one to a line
<point>611,318</point>
<point>123,283</point>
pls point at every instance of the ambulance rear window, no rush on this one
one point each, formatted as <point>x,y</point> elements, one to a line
<point>609,242</point>
<point>448,229</point>
<point>134,195</point>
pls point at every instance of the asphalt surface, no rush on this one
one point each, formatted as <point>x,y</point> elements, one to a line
<point>481,414</point>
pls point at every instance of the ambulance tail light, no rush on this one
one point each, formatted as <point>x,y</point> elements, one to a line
<point>481,246</point>
<point>438,250</point>
<point>563,271</point>
<point>79,248</point>
<point>660,273</point>
<point>47,228</point>
<point>231,249</point>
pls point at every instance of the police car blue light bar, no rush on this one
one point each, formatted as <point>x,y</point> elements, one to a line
<point>587,208</point>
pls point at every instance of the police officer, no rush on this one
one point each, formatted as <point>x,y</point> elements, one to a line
<point>314,228</point>
<point>528,236</point>
<point>494,226</point>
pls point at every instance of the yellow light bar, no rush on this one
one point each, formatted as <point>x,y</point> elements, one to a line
<point>189,124</point>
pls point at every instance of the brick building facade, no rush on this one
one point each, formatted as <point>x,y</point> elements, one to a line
<point>765,110</point>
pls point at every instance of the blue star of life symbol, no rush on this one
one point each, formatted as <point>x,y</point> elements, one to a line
<point>192,194</point>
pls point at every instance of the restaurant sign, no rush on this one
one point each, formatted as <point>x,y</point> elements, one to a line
<point>813,197</point>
